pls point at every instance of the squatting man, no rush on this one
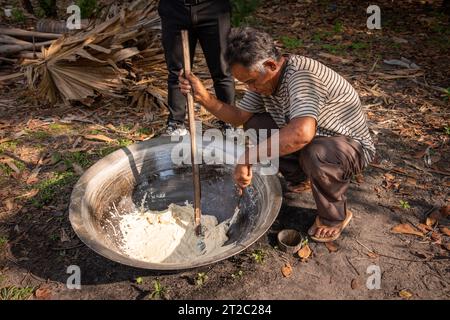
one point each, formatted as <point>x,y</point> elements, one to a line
<point>323,136</point>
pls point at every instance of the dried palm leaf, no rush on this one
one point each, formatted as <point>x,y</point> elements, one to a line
<point>90,62</point>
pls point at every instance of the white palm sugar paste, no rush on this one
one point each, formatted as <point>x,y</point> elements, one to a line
<point>168,236</point>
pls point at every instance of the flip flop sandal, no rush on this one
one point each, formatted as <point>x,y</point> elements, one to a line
<point>341,227</point>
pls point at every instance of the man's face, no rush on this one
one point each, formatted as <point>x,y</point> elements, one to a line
<point>256,81</point>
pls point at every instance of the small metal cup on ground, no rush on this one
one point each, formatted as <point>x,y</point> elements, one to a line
<point>289,240</point>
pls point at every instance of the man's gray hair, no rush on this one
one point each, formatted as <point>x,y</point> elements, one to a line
<point>250,47</point>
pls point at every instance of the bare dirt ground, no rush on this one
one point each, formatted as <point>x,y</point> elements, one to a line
<point>408,113</point>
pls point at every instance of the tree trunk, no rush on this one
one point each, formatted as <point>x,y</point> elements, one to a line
<point>11,40</point>
<point>28,34</point>
<point>10,49</point>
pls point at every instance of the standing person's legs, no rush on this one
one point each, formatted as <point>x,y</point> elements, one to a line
<point>212,24</point>
<point>330,163</point>
<point>172,24</point>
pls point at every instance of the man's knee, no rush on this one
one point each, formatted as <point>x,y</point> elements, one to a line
<point>311,158</point>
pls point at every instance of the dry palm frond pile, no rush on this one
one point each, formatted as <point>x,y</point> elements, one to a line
<point>106,59</point>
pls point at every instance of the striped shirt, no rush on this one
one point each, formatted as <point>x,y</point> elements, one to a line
<point>307,88</point>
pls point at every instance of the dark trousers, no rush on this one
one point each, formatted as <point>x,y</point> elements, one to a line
<point>208,23</point>
<point>329,163</point>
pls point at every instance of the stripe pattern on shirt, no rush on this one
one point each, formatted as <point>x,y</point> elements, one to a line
<point>310,89</point>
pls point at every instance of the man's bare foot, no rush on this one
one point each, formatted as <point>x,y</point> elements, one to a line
<point>330,231</point>
<point>324,231</point>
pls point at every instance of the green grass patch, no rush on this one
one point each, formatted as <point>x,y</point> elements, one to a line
<point>333,48</point>
<point>53,237</point>
<point>3,241</point>
<point>7,169</point>
<point>242,12</point>
<point>259,255</point>
<point>17,15</point>
<point>405,204</point>
<point>107,150</point>
<point>79,157</point>
<point>8,146</point>
<point>50,187</point>
<point>15,293</point>
<point>87,7</point>
<point>143,131</point>
<point>159,291</point>
<point>139,280</point>
<point>358,46</point>
<point>59,128</point>
<point>125,127</point>
<point>124,142</point>
<point>237,275</point>
<point>39,135</point>
<point>201,279</point>
<point>447,94</point>
<point>338,27</point>
<point>291,42</point>
<point>447,130</point>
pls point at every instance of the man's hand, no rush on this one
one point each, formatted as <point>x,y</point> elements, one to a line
<point>192,83</point>
<point>243,175</point>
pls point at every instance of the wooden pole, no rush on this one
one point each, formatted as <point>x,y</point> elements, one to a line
<point>191,115</point>
<point>28,34</point>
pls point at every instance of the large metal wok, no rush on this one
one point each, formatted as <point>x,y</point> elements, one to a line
<point>147,167</point>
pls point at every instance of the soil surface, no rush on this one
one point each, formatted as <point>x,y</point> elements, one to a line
<point>408,114</point>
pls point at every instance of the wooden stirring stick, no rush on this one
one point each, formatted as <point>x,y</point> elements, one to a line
<point>191,115</point>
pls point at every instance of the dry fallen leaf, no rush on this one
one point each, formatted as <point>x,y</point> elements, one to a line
<point>424,228</point>
<point>32,178</point>
<point>99,137</point>
<point>389,176</point>
<point>421,255</point>
<point>286,270</point>
<point>13,166</point>
<point>9,203</point>
<point>430,222</point>
<point>411,181</point>
<point>372,255</point>
<point>446,246</point>
<point>332,246</point>
<point>295,24</point>
<point>406,228</point>
<point>355,284</point>
<point>304,252</point>
<point>359,178</point>
<point>405,294</point>
<point>43,293</point>
<point>445,211</point>
<point>436,237</point>
<point>445,231</point>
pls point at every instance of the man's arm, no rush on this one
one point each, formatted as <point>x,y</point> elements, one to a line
<point>221,110</point>
<point>225,112</point>
<point>293,137</point>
